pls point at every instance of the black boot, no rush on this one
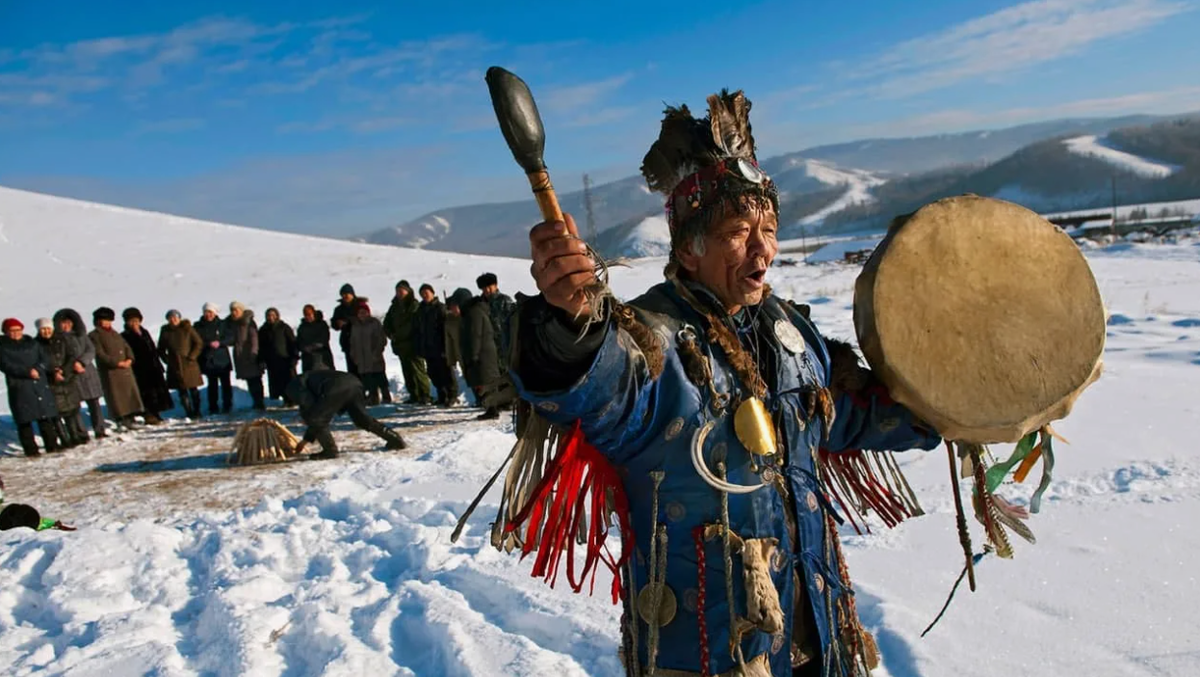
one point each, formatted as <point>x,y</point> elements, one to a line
<point>394,441</point>
<point>491,414</point>
<point>325,455</point>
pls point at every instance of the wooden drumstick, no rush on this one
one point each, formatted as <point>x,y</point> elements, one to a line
<point>521,125</point>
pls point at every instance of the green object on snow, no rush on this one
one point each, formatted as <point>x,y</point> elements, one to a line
<point>46,523</point>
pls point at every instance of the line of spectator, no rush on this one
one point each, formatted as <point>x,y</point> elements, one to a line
<point>51,377</point>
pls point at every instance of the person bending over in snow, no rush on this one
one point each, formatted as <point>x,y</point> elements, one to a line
<point>325,393</point>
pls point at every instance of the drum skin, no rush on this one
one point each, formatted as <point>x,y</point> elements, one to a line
<point>982,317</point>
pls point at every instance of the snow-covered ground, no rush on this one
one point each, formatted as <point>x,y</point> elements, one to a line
<point>1096,147</point>
<point>184,567</point>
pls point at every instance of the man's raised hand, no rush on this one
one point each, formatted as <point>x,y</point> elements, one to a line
<point>561,266</point>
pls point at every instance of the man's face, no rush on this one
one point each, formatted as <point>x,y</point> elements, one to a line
<point>210,315</point>
<point>310,314</point>
<point>363,313</point>
<point>134,324</point>
<point>15,333</point>
<point>104,324</point>
<point>490,291</point>
<point>46,332</point>
<point>272,317</point>
<point>235,313</point>
<point>401,293</point>
<point>174,320</point>
<point>738,250</point>
<point>427,295</point>
<point>66,326</point>
<point>347,297</point>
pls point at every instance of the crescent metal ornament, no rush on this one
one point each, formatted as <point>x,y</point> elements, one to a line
<point>750,172</point>
<point>789,336</point>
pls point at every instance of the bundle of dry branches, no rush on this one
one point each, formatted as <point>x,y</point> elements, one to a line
<point>263,440</point>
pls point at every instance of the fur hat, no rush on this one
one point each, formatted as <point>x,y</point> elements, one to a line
<point>103,313</point>
<point>43,322</point>
<point>12,323</point>
<point>173,313</point>
<point>486,280</point>
<point>429,287</point>
<point>130,313</point>
<point>403,284</point>
<point>212,307</point>
<point>346,289</point>
<point>237,305</point>
<point>706,166</point>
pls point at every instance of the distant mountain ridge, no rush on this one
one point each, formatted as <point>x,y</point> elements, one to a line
<point>847,186</point>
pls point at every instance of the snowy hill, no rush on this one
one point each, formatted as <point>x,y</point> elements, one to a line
<point>501,229</point>
<point>1093,146</point>
<point>185,567</point>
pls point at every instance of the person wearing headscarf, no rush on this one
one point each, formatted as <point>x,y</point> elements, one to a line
<point>147,369</point>
<point>278,351</point>
<point>367,342</point>
<point>114,357</point>
<point>179,347</point>
<point>245,351</point>
<point>26,369</point>
<point>312,339</point>
<point>60,353</point>
<point>87,377</point>
<point>215,363</point>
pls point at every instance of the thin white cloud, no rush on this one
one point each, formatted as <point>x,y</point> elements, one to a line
<point>575,97</point>
<point>1013,39</point>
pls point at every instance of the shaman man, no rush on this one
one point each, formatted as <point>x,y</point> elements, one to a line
<point>701,413</point>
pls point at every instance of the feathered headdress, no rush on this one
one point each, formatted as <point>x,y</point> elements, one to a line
<point>704,166</point>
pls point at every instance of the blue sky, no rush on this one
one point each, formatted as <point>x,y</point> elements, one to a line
<point>339,118</point>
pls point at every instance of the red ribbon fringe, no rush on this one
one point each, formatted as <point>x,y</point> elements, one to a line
<point>579,484</point>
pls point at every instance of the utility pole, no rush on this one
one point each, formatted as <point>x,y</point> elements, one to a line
<point>587,202</point>
<point>1114,205</point>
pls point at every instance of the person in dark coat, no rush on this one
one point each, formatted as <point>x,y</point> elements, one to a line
<point>400,323</point>
<point>430,335</point>
<point>179,346</point>
<point>278,352</point>
<point>26,368</point>
<point>147,369</point>
<point>312,338</point>
<point>343,321</point>
<point>454,345</point>
<point>114,358</point>
<point>245,351</point>
<point>60,357</point>
<point>500,311</point>
<point>87,380</point>
<point>366,347</point>
<point>481,367</point>
<point>325,393</point>
<point>215,363</point>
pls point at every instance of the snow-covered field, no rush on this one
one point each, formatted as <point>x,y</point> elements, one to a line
<point>184,567</point>
<point>1096,147</point>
